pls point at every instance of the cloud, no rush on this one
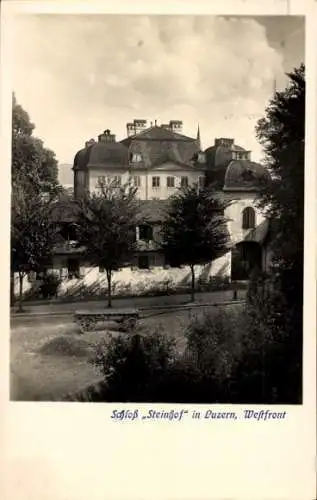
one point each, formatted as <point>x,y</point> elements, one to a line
<point>78,75</point>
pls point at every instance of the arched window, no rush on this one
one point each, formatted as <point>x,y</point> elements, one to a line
<point>248,218</point>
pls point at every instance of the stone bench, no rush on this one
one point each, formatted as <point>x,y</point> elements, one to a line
<point>127,318</point>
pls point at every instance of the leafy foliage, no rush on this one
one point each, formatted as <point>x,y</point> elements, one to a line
<point>229,358</point>
<point>34,188</point>
<point>106,227</point>
<point>134,364</point>
<point>270,368</point>
<point>282,134</point>
<point>32,163</point>
<point>33,233</point>
<point>276,307</point>
<point>195,229</point>
<point>50,285</point>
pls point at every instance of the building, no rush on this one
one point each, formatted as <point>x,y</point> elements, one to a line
<point>158,159</point>
<point>231,169</point>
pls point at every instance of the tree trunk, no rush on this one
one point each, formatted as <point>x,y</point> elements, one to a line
<point>193,283</point>
<point>109,276</point>
<point>12,296</point>
<point>20,292</point>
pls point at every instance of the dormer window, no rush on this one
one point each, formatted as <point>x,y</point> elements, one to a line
<point>136,157</point>
<point>201,158</point>
<point>240,155</point>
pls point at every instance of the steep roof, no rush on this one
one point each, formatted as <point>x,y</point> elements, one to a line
<point>157,133</point>
<point>245,175</point>
<point>156,145</point>
<point>81,158</point>
<point>156,152</point>
<point>153,210</point>
<point>108,152</point>
<point>233,174</point>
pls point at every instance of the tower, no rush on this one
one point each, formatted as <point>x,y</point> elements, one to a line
<point>198,138</point>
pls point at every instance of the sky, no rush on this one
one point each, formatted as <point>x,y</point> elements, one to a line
<point>78,75</point>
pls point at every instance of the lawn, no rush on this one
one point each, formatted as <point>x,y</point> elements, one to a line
<point>50,359</point>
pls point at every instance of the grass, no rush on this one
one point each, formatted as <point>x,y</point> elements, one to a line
<point>50,360</point>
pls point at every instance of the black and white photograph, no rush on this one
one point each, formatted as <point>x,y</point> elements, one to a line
<point>157,209</point>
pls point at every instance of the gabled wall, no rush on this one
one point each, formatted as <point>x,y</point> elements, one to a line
<point>239,201</point>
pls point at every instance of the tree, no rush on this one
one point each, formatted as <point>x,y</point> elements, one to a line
<point>107,227</point>
<point>32,163</point>
<point>34,175</point>
<point>33,233</point>
<point>282,135</point>
<point>195,229</point>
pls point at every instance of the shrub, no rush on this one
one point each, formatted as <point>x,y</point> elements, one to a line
<point>50,285</point>
<point>214,344</point>
<point>237,355</point>
<point>134,364</point>
<point>270,369</point>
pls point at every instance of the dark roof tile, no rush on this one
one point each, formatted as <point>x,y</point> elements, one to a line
<point>156,145</point>
<point>245,174</point>
<point>159,134</point>
<point>153,210</point>
<point>108,152</point>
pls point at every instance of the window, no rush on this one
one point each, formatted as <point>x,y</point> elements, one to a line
<point>144,262</point>
<point>136,157</point>
<point>170,182</point>
<point>155,182</point>
<point>73,269</point>
<point>201,181</point>
<point>117,180</point>
<point>201,158</point>
<point>101,180</point>
<point>136,180</point>
<point>248,218</point>
<point>240,155</point>
<point>146,232</point>
<point>184,182</point>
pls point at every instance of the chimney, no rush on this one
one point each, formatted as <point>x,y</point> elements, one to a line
<point>176,126</point>
<point>130,129</point>
<point>224,142</point>
<point>107,137</point>
<point>139,125</point>
<point>90,143</point>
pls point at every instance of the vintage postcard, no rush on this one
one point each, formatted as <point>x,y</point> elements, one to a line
<point>159,167</point>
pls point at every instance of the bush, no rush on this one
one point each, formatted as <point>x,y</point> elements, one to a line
<point>133,365</point>
<point>148,369</point>
<point>50,285</point>
<point>214,344</point>
<point>238,355</point>
<point>270,369</point>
